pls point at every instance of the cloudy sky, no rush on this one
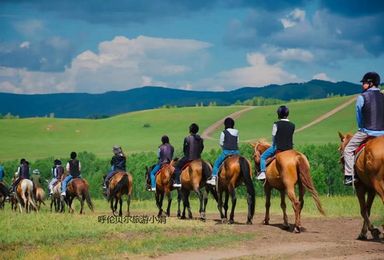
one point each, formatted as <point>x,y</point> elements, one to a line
<point>97,46</point>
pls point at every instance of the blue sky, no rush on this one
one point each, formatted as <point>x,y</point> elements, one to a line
<point>97,46</point>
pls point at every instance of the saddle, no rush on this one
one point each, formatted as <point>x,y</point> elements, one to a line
<point>361,147</point>
<point>162,166</point>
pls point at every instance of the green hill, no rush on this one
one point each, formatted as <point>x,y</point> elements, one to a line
<point>141,131</point>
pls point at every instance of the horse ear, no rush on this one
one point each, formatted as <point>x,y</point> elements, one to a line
<point>253,145</point>
<point>341,136</point>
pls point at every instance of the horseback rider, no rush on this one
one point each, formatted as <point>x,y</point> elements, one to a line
<point>193,147</point>
<point>118,162</point>
<point>282,138</point>
<point>35,177</point>
<point>22,173</point>
<point>3,189</point>
<point>57,173</point>
<point>73,168</point>
<point>229,140</point>
<point>370,120</point>
<point>2,173</point>
<point>164,155</point>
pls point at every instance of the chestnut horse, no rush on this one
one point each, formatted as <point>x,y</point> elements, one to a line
<point>288,169</point>
<point>163,187</point>
<point>120,184</point>
<point>78,188</point>
<point>369,167</point>
<point>193,178</point>
<point>39,195</point>
<point>234,171</point>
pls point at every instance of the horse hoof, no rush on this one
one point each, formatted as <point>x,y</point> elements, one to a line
<point>376,233</point>
<point>296,230</point>
<point>231,221</point>
<point>178,215</point>
<point>223,220</point>
<point>190,217</point>
<point>265,222</point>
<point>249,222</point>
<point>286,227</point>
<point>182,217</point>
<point>362,237</point>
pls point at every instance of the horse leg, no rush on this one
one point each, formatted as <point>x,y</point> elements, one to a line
<point>189,207</point>
<point>128,204</point>
<point>267,191</point>
<point>296,207</point>
<point>234,200</point>
<point>169,196</point>
<point>226,204</point>
<point>204,196</point>
<point>111,203</point>
<point>159,202</point>
<point>283,206</point>
<point>220,205</point>
<point>185,195</point>
<point>121,206</point>
<point>179,197</point>
<point>81,199</point>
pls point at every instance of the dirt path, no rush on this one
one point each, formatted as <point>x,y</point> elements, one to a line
<point>322,238</point>
<point>212,128</point>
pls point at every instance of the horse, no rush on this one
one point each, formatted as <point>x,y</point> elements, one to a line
<point>39,196</point>
<point>288,169</point>
<point>119,185</point>
<point>78,188</point>
<point>4,192</point>
<point>24,195</point>
<point>163,187</point>
<point>193,178</point>
<point>234,171</point>
<point>369,167</point>
<point>56,201</point>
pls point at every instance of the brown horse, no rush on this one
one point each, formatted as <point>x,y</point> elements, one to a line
<point>234,171</point>
<point>288,169</point>
<point>369,167</point>
<point>193,178</point>
<point>4,192</point>
<point>39,195</point>
<point>119,185</point>
<point>163,187</point>
<point>78,188</point>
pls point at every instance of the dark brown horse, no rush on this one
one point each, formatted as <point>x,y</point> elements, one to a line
<point>193,178</point>
<point>288,169</point>
<point>4,192</point>
<point>369,167</point>
<point>120,184</point>
<point>78,188</point>
<point>234,171</point>
<point>163,188</point>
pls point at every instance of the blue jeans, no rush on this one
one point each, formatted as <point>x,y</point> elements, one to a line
<point>267,153</point>
<point>220,160</point>
<point>109,175</point>
<point>65,182</point>
<point>152,175</point>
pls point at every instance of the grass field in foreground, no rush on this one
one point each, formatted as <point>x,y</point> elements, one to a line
<point>52,235</point>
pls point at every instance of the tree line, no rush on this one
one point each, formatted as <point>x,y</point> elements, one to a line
<point>326,170</point>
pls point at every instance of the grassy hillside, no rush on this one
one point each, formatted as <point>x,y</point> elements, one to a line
<point>141,131</point>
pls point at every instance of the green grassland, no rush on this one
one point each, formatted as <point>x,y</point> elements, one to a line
<point>141,131</point>
<point>53,235</point>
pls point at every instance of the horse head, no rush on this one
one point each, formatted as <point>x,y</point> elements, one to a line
<point>344,140</point>
<point>258,149</point>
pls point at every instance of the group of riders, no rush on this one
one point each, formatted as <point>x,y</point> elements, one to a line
<point>370,121</point>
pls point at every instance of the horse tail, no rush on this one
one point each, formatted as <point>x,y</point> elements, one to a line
<point>88,199</point>
<point>123,183</point>
<point>206,170</point>
<point>245,169</point>
<point>306,180</point>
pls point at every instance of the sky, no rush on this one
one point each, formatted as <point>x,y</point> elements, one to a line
<point>98,46</point>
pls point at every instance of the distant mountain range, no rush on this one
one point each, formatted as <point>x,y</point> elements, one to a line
<point>83,105</point>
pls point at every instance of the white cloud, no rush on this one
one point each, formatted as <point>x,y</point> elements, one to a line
<point>323,76</point>
<point>295,54</point>
<point>29,27</point>
<point>118,64</point>
<point>25,44</point>
<point>259,73</point>
<point>293,18</point>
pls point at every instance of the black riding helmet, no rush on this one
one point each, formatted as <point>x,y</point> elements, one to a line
<point>282,112</point>
<point>371,77</point>
<point>193,128</point>
<point>165,139</point>
<point>229,123</point>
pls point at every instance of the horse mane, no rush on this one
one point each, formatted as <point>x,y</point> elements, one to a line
<point>263,141</point>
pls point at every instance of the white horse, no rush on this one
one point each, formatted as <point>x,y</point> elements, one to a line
<point>24,195</point>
